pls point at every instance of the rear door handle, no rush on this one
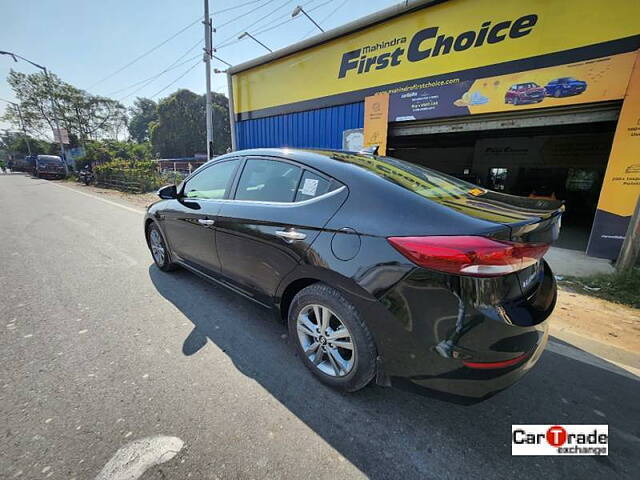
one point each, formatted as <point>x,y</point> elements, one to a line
<point>206,222</point>
<point>290,236</point>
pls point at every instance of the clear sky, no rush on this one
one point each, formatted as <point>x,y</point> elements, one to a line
<point>86,41</point>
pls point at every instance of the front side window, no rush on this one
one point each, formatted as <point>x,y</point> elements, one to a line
<point>212,182</point>
<point>268,181</point>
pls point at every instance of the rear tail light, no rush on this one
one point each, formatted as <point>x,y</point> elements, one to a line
<point>469,255</point>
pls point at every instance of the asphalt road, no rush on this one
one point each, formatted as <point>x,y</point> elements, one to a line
<point>100,349</point>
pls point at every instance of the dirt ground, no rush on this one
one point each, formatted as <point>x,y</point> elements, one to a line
<point>607,322</point>
<point>590,317</point>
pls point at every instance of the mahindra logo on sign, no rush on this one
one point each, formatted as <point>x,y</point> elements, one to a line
<point>559,439</point>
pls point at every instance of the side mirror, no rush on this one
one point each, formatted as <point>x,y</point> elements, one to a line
<point>168,192</point>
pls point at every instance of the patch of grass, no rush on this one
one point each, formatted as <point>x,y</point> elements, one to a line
<point>619,288</point>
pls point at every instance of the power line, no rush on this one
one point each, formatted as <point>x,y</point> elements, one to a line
<point>313,9</point>
<point>275,20</point>
<point>173,82</point>
<point>230,42</point>
<point>234,7</point>
<point>257,21</point>
<point>175,64</point>
<point>199,42</point>
<point>164,42</point>
<point>155,77</point>
<point>239,16</point>
<point>326,18</point>
<point>151,50</point>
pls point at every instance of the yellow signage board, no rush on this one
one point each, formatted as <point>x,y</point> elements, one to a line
<point>621,185</point>
<point>604,78</point>
<point>376,112</point>
<point>462,36</point>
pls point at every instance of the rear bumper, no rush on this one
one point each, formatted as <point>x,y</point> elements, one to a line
<point>433,323</point>
<point>478,385</point>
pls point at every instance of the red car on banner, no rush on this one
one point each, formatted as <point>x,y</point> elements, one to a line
<point>521,93</point>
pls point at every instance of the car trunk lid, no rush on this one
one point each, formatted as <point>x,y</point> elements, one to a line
<point>529,220</point>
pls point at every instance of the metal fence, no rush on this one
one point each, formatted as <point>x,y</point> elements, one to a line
<point>121,182</point>
<point>181,166</point>
<point>127,182</point>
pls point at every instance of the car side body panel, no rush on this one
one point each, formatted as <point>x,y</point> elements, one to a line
<point>253,255</point>
<point>191,241</point>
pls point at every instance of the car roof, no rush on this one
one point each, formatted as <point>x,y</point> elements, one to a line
<point>322,160</point>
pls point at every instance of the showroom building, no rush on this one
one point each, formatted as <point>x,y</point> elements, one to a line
<point>533,98</point>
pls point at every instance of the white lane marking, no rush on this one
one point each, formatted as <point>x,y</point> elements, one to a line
<point>588,358</point>
<point>95,197</point>
<point>132,460</point>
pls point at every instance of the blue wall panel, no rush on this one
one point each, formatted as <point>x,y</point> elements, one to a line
<point>320,128</point>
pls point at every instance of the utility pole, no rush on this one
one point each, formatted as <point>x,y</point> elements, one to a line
<point>54,112</point>
<point>208,53</point>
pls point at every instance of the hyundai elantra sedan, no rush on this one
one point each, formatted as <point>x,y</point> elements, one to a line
<point>384,270</point>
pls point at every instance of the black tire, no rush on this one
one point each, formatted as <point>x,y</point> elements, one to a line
<point>364,366</point>
<point>516,100</point>
<point>165,264</point>
<point>557,93</point>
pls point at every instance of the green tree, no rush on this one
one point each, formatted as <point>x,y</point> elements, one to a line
<point>180,130</point>
<point>143,112</point>
<point>85,116</point>
<point>16,143</point>
<point>106,151</point>
<point>221,127</point>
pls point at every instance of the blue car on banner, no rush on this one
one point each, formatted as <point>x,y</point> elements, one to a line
<point>564,87</point>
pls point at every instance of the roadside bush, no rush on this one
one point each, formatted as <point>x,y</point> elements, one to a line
<point>619,287</point>
<point>129,174</point>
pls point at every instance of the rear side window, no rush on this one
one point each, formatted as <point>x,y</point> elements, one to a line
<point>311,186</point>
<point>423,181</point>
<point>268,181</point>
<point>212,182</point>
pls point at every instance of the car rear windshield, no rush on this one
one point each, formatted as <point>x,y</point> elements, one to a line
<point>423,181</point>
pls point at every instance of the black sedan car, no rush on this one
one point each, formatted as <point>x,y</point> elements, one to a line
<point>383,269</point>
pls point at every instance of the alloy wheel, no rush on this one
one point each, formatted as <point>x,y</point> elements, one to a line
<point>325,340</point>
<point>157,246</point>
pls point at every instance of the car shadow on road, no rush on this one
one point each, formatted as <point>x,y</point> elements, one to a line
<point>388,433</point>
